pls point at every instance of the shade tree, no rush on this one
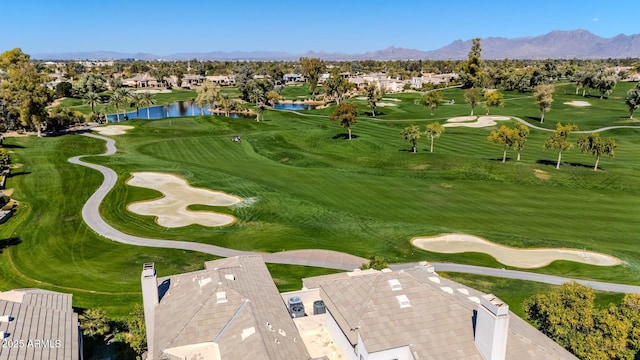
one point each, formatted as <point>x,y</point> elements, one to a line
<point>543,94</point>
<point>473,96</point>
<point>472,70</point>
<point>559,140</point>
<point>493,98</point>
<point>594,145</point>
<point>522,134</point>
<point>373,94</point>
<point>346,115</point>
<point>568,315</point>
<point>505,136</point>
<point>432,100</point>
<point>434,130</point>
<point>412,134</point>
<point>632,99</point>
<point>23,91</point>
<point>312,68</point>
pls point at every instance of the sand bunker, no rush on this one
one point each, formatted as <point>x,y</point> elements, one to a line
<point>171,209</point>
<point>152,91</point>
<point>521,258</point>
<point>113,129</point>
<point>480,121</point>
<point>577,103</point>
<point>382,104</point>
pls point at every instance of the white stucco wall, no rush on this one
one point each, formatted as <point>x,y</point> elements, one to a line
<point>339,338</point>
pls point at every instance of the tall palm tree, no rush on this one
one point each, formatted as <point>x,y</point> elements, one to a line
<point>257,96</point>
<point>146,100</point>
<point>124,96</point>
<point>136,100</point>
<point>92,99</point>
<point>225,103</point>
<point>116,100</point>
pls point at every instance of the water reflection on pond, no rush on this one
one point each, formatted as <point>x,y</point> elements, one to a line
<point>178,109</point>
<point>290,106</point>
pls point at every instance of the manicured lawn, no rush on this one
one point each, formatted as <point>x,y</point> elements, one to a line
<point>299,92</point>
<point>310,188</point>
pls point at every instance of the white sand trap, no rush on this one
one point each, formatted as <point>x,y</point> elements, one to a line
<point>113,129</point>
<point>391,99</point>
<point>382,104</point>
<point>577,103</point>
<point>480,121</point>
<point>521,258</point>
<point>171,209</point>
<point>153,91</point>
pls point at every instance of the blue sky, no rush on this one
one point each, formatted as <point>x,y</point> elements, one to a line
<point>164,27</point>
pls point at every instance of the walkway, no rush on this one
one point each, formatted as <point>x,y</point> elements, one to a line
<point>310,257</point>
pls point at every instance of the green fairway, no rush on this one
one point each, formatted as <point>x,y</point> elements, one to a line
<point>310,188</point>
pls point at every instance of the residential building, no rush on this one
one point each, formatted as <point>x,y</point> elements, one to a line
<point>413,314</point>
<point>231,310</point>
<point>38,324</point>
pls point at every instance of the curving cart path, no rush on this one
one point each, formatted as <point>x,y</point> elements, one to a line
<point>91,216</point>
<point>310,257</point>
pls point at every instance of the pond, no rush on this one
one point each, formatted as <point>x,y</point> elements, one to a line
<point>178,109</point>
<point>290,106</point>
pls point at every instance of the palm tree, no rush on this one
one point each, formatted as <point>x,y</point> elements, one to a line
<point>116,100</point>
<point>146,100</point>
<point>136,100</point>
<point>226,103</point>
<point>124,96</point>
<point>92,99</point>
<point>257,96</point>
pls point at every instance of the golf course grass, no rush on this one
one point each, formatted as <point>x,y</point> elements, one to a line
<point>310,188</point>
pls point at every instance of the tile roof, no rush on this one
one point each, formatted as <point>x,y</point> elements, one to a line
<point>42,325</point>
<point>436,325</point>
<point>248,321</point>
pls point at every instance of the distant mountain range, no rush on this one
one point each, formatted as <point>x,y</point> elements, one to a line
<point>580,44</point>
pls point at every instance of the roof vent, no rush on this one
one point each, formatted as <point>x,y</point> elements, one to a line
<point>395,284</point>
<point>248,332</point>
<point>403,301</point>
<point>221,297</point>
<point>230,277</point>
<point>6,318</point>
<point>204,281</point>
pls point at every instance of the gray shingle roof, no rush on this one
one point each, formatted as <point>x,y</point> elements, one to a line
<point>43,325</point>
<point>252,321</point>
<point>436,325</point>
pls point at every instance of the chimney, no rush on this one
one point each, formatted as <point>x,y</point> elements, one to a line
<point>492,328</point>
<point>150,300</point>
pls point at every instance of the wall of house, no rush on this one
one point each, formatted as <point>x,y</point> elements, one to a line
<point>400,353</point>
<point>339,338</point>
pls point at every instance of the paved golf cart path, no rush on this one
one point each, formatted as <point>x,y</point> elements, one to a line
<point>309,257</point>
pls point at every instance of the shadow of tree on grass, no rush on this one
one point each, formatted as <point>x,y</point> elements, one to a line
<point>12,241</point>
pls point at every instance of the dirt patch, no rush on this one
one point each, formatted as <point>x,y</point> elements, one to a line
<point>577,103</point>
<point>7,192</point>
<point>420,167</point>
<point>541,174</point>
<point>110,130</point>
<point>521,258</point>
<point>171,209</point>
<point>18,134</point>
<point>480,121</point>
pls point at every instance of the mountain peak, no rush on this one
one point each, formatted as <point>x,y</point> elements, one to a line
<point>557,44</point>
